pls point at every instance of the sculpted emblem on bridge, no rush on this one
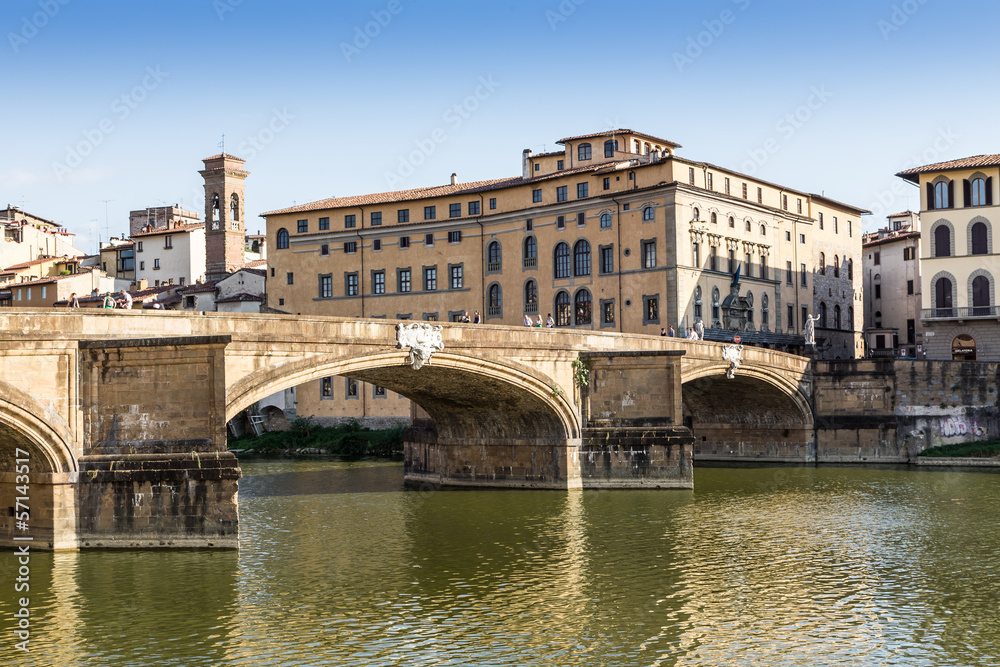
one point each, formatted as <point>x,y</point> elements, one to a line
<point>422,339</point>
<point>734,355</point>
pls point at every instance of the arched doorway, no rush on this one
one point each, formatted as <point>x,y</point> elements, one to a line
<point>963,348</point>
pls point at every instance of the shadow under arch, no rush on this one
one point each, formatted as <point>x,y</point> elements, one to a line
<point>22,424</point>
<point>757,415</point>
<point>482,398</point>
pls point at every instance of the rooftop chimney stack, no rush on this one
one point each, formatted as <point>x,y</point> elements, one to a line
<point>454,179</point>
<point>526,164</point>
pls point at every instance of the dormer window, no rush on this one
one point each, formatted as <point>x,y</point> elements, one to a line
<point>584,152</point>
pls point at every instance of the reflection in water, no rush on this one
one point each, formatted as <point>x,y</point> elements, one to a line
<point>339,565</point>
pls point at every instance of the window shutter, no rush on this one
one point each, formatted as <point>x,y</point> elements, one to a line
<point>967,192</point>
<point>951,194</point>
<point>930,196</point>
<point>989,191</point>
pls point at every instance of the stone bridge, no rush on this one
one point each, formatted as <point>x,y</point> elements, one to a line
<point>121,415</point>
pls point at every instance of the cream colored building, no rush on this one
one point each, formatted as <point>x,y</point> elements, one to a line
<point>170,255</point>
<point>25,237</point>
<point>959,263</point>
<point>614,232</point>
<point>892,292</point>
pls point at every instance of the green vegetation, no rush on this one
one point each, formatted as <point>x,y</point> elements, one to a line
<point>348,439</point>
<point>982,449</point>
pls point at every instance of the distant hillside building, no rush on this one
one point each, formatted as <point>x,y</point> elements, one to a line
<point>159,217</point>
<point>25,237</point>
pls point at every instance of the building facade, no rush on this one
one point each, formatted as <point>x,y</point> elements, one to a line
<point>160,217</point>
<point>225,215</point>
<point>959,264</point>
<point>25,237</point>
<point>173,255</point>
<point>892,291</point>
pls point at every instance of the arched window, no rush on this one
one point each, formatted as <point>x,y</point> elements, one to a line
<point>697,302</point>
<point>849,263</point>
<point>750,310</point>
<point>584,307</point>
<point>563,309</point>
<point>763,230</point>
<point>583,151</point>
<point>282,243</point>
<point>581,258</point>
<point>978,188</point>
<point>715,219</point>
<point>605,221</point>
<point>562,260</point>
<point>696,214</point>
<point>215,210</point>
<point>715,308</point>
<point>530,252</point>
<point>493,257</point>
<point>836,317</point>
<point>649,213</point>
<point>836,267</point>
<point>531,297</point>
<point>496,301</point>
<point>732,221</point>
<point>822,264</point>
<point>234,207</point>
<point>941,195</point>
<point>822,314</point>
<point>943,298</point>
<point>942,240</point>
<point>610,147</point>
<point>748,226</point>
<point>981,296</point>
<point>980,242</point>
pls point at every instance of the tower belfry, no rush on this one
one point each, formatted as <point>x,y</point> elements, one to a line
<point>225,226</point>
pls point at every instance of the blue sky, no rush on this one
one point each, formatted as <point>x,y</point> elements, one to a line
<point>120,100</point>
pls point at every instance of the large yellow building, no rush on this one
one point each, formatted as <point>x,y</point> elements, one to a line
<point>615,232</point>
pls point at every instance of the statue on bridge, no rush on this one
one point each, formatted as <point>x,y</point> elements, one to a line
<point>423,340</point>
<point>809,330</point>
<point>734,355</point>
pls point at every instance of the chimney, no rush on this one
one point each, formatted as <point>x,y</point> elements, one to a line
<point>526,164</point>
<point>142,284</point>
<point>454,179</point>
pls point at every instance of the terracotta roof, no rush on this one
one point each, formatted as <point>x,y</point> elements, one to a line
<point>549,154</point>
<point>254,264</point>
<point>179,229</point>
<point>224,155</point>
<point>35,262</point>
<point>199,287</point>
<point>256,272</point>
<point>899,215</point>
<point>893,236</point>
<point>618,133</point>
<point>242,296</point>
<point>963,163</point>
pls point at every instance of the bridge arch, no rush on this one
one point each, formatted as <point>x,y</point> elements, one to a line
<point>23,424</point>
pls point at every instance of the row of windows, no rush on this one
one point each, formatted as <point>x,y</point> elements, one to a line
<point>942,237</point>
<point>350,389</point>
<point>352,246</point>
<point>977,191</point>
<point>585,151</point>
<point>980,295</point>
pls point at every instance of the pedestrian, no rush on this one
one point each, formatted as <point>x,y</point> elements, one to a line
<point>691,334</point>
<point>73,301</point>
<point>549,322</point>
<point>126,300</point>
<point>539,322</point>
<point>663,332</point>
<point>109,303</point>
<point>527,320</point>
<point>475,318</point>
<point>465,316</point>
<point>671,333</point>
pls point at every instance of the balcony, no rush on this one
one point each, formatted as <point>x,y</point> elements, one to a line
<point>965,313</point>
<point>530,262</point>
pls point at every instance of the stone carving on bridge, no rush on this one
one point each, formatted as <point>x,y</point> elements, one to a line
<point>734,355</point>
<point>423,340</point>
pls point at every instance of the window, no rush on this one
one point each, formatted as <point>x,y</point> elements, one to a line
<point>607,259</point>
<point>822,315</point>
<point>562,263</point>
<point>582,190</point>
<point>980,296</point>
<point>822,264</point>
<point>691,175</point>
<point>714,218</point>
<point>561,193</point>
<point>455,236</point>
<point>493,203</point>
<point>473,208</point>
<point>649,213</point>
<point>909,287</point>
<point>727,186</point>
<point>378,392</point>
<point>805,315</point>
<point>454,210</point>
<point>820,220</point>
<point>979,235</point>
<point>748,261</point>
<point>715,307</point>
<point>430,212</point>
<point>607,312</point>
<point>324,224</point>
<point>763,267</point>
<point>850,268</point>
<point>607,183</point>
<point>351,284</point>
<point>581,258</point>
<point>581,219</point>
<point>403,280</point>
<point>352,388</point>
<point>326,286</point>
<point>529,224</point>
<point>836,225</point>
<point>404,241</point>
<point>749,225</point>
<point>138,247</point>
<point>455,276</point>
<point>429,239</point>
<point>376,244</point>
<point>942,194</point>
<point>979,192</point>
<point>798,206</point>
<point>942,241</point>
<point>907,254</point>
<point>763,230</point>
<point>538,167</point>
<point>610,146</point>
<point>142,266</point>
<point>403,215</point>
<point>638,146</point>
<point>836,317</point>
<point>605,221</point>
<point>784,202</point>
<point>583,152</point>
<point>378,282</point>
<point>651,309</point>
<point>836,266</point>
<point>696,253</point>
<point>791,318</point>
<point>531,297</point>
<point>732,222</point>
<point>649,254</point>
<point>303,226</point>
<point>697,302</point>
<point>911,331</point>
<point>530,253</point>
<point>804,280</point>
<point>765,312</point>
<point>290,278</point>
<point>536,196</point>
<point>732,261</point>
<point>350,247</point>
<point>430,278</point>
<point>326,388</point>
<point>708,180</point>
<point>495,305</point>
<point>713,258</point>
<point>760,195</point>
<point>788,236</point>
<point>493,257</point>
<point>584,308</point>
<point>788,273</point>
<point>943,298</point>
<point>324,249</point>
<point>168,242</point>
<point>350,221</point>
<point>559,165</point>
<point>560,222</point>
<point>877,285</point>
<point>563,309</point>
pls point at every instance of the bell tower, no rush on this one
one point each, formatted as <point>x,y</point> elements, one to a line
<point>225,213</point>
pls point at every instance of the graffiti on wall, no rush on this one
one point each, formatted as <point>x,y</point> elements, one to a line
<point>954,427</point>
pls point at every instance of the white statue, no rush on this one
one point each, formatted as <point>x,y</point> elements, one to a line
<point>809,330</point>
<point>423,340</point>
<point>734,355</point>
<point>699,329</point>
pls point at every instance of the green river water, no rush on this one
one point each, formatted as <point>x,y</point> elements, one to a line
<point>339,565</point>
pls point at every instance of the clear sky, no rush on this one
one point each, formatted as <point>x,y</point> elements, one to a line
<point>121,99</point>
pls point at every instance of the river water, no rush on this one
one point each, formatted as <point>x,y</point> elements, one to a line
<point>340,566</point>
